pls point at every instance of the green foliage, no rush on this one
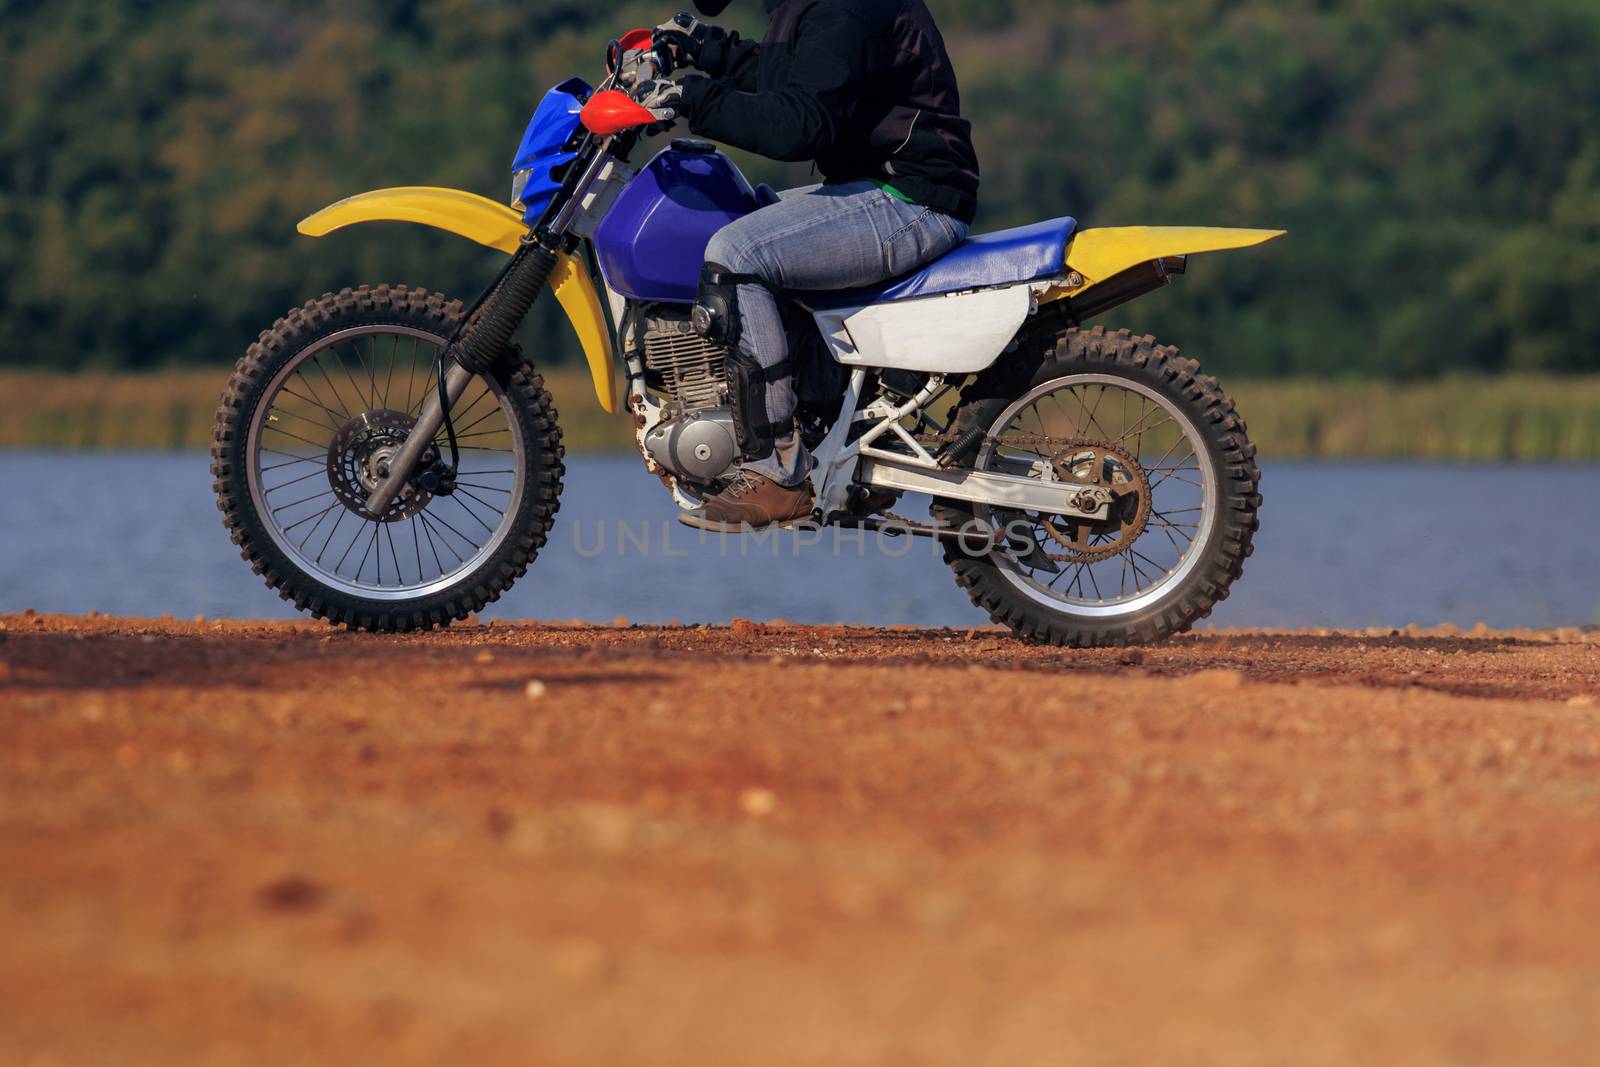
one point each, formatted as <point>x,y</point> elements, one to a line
<point>1478,418</point>
<point>1437,161</point>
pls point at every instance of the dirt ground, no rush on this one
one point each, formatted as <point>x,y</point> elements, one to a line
<point>773,844</point>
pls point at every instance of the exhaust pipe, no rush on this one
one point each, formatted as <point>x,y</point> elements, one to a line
<point>1122,288</point>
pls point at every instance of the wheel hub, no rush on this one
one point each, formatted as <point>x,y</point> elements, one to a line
<point>359,457</point>
<point>1100,465</point>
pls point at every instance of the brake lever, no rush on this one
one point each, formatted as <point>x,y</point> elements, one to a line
<point>632,76</point>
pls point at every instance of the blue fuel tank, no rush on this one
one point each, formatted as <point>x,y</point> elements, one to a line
<point>652,242</point>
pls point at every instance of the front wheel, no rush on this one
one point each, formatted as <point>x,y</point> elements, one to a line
<point>1137,422</point>
<point>311,417</point>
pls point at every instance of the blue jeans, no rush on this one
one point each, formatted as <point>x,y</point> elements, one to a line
<point>822,237</point>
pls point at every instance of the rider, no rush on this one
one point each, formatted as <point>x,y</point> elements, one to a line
<point>865,90</point>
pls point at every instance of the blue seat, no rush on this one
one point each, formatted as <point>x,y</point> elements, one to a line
<point>1003,258</point>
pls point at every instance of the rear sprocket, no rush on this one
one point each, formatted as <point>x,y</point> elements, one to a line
<point>1099,465</point>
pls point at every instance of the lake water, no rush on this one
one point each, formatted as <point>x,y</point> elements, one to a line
<point>1342,545</point>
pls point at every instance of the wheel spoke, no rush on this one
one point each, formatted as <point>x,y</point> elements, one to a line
<point>285,414</point>
<point>297,437</point>
<point>1165,477</point>
<point>1064,413</point>
<point>1094,423</point>
<point>317,526</point>
<point>458,413</point>
<point>430,385</point>
<point>332,530</point>
<point>305,500</point>
<point>363,564</point>
<point>367,399</point>
<point>431,545</point>
<point>411,377</point>
<point>394,347</point>
<point>1140,428</point>
<point>445,523</point>
<point>498,511</point>
<point>348,549</point>
<point>462,504</point>
<point>335,540</point>
<point>308,518</point>
<point>416,543</point>
<point>316,361</point>
<point>334,426</point>
<point>294,481</point>
<point>293,459</point>
<point>1084,409</point>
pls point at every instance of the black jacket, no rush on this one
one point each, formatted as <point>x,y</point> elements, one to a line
<point>863,87</point>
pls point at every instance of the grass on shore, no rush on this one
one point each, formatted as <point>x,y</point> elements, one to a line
<point>1478,418</point>
<point>174,410</point>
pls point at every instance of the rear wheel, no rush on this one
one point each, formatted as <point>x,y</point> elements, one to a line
<point>310,419</point>
<point>1135,422</point>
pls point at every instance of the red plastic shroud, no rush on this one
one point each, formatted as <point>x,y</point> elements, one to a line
<point>636,39</point>
<point>612,112</point>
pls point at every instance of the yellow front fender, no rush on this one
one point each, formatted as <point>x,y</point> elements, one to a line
<point>1098,255</point>
<point>495,226</point>
<point>575,291</point>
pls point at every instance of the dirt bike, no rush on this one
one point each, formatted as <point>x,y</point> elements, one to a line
<point>388,459</point>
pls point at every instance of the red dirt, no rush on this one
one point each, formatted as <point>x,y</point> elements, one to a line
<point>275,843</point>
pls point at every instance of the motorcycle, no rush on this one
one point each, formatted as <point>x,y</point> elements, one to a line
<point>389,460</point>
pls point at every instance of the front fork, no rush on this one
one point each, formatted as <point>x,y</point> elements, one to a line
<point>484,333</point>
<point>420,439</point>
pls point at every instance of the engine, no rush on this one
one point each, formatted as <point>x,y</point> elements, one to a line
<point>696,438</point>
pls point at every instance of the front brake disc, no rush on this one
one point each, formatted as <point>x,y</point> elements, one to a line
<point>356,458</point>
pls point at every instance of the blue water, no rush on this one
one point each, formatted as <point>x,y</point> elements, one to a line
<point>1342,545</point>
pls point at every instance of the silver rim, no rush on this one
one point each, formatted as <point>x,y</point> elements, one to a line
<point>328,416</point>
<point>1168,448</point>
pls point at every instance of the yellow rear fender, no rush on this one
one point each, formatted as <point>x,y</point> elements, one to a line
<point>492,225</point>
<point>1096,256</point>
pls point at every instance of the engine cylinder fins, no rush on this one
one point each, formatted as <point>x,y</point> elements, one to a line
<point>690,369</point>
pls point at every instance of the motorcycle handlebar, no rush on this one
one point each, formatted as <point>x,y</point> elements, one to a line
<point>646,65</point>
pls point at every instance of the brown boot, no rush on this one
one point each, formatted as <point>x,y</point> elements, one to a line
<point>751,502</point>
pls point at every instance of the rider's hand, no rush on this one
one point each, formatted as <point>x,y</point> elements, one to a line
<point>682,37</point>
<point>660,95</point>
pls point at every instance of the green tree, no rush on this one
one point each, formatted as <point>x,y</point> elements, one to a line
<point>1434,160</point>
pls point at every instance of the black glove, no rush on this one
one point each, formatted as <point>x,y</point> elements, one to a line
<point>683,37</point>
